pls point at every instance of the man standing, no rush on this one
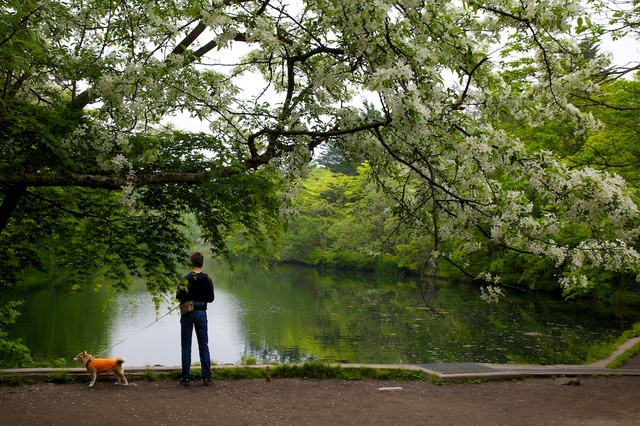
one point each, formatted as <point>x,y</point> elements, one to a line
<point>193,298</point>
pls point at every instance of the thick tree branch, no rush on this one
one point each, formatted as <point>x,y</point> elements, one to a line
<point>12,195</point>
<point>190,38</point>
<point>24,180</point>
<point>107,182</point>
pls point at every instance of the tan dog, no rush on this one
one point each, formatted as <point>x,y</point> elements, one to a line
<point>97,366</point>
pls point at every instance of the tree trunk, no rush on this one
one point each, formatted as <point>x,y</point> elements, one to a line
<point>12,196</point>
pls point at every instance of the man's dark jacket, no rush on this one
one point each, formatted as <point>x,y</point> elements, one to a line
<point>199,289</point>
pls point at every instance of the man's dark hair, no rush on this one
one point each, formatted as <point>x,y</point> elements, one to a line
<point>197,259</point>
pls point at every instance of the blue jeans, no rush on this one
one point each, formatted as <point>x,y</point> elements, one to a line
<point>189,321</point>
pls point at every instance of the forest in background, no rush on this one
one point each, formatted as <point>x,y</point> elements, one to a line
<point>346,220</point>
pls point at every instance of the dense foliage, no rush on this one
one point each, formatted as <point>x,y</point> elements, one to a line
<point>95,180</point>
<point>343,221</point>
<point>346,221</point>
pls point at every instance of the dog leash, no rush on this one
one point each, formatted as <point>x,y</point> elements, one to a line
<point>137,332</point>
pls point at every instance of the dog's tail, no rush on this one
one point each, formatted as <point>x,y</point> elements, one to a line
<point>120,360</point>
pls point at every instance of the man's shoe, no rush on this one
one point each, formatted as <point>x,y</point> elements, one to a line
<point>184,382</point>
<point>207,381</point>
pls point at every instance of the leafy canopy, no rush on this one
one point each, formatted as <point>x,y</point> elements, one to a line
<point>92,174</point>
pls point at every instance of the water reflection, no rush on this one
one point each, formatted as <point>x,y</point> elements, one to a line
<point>292,314</point>
<point>147,337</point>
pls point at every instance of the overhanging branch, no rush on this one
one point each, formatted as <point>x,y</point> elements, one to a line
<point>108,182</point>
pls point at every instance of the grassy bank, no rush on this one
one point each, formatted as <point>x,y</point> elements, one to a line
<point>308,370</point>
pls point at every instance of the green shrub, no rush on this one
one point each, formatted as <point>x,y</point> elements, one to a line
<point>247,359</point>
<point>13,354</point>
<point>149,375</point>
<point>58,377</point>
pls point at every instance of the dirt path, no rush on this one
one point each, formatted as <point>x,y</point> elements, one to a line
<point>609,400</point>
<point>596,401</point>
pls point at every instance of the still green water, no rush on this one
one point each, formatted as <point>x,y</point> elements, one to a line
<point>293,314</point>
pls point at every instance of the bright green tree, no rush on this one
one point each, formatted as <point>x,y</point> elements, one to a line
<point>615,147</point>
<point>343,221</point>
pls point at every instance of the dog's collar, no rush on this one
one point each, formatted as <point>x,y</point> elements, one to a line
<point>89,361</point>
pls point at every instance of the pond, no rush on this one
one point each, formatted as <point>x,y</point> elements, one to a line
<point>293,314</point>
